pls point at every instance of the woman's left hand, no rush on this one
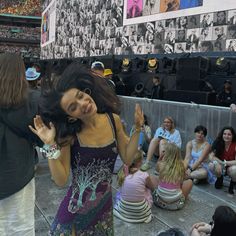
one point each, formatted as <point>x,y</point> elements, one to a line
<point>188,173</point>
<point>138,117</point>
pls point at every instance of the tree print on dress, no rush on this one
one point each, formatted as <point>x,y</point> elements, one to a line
<point>85,182</point>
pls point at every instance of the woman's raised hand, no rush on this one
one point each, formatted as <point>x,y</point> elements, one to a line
<point>138,116</point>
<point>46,134</point>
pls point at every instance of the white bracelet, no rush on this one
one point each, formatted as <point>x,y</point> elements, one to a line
<point>51,151</point>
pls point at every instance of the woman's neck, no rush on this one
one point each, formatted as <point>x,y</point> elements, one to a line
<point>92,121</point>
<point>201,141</point>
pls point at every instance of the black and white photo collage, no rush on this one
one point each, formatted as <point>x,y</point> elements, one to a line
<point>95,28</point>
<point>196,33</point>
<point>86,28</point>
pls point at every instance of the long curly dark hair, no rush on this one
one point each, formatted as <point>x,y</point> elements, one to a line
<point>218,145</point>
<point>76,76</point>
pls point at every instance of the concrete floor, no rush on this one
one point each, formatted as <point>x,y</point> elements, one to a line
<point>200,206</point>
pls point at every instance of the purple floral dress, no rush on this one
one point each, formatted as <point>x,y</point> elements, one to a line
<point>88,204</point>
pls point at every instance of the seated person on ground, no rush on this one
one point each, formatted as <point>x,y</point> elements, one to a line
<point>197,152</point>
<point>145,135</point>
<point>172,189</point>
<point>223,223</point>
<point>165,133</point>
<point>223,158</point>
<point>134,198</point>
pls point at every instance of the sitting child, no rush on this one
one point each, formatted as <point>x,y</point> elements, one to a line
<point>172,189</point>
<point>134,200</point>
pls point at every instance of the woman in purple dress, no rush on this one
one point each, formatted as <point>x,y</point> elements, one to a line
<point>82,132</point>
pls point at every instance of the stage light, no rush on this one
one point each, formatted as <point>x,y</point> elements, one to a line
<point>126,65</point>
<point>152,64</point>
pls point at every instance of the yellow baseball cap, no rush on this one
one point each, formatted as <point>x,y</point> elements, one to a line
<point>107,72</point>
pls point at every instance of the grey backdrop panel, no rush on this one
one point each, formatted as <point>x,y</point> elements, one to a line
<point>187,116</point>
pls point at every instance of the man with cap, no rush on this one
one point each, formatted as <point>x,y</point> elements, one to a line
<point>32,76</point>
<point>98,68</point>
<point>108,75</point>
<point>225,97</point>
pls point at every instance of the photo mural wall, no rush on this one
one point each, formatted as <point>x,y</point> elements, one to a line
<point>83,28</point>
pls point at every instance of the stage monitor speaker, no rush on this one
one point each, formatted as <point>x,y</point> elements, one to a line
<point>208,98</point>
<point>190,71</point>
<point>168,81</point>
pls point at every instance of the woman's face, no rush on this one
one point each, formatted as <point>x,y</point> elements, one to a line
<point>227,135</point>
<point>183,21</point>
<point>167,124</point>
<point>150,37</point>
<point>78,104</point>
<point>199,136</point>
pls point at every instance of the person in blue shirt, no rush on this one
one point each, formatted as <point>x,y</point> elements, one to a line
<point>190,3</point>
<point>167,133</point>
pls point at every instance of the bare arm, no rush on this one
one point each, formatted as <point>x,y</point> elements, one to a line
<point>231,163</point>
<point>149,184</point>
<point>188,154</point>
<point>203,156</point>
<point>128,147</point>
<point>60,168</point>
<point>213,157</point>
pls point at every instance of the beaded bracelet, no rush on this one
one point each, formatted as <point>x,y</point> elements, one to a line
<point>51,151</point>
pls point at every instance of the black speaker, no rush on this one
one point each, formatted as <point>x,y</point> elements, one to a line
<point>190,71</point>
<point>169,81</point>
<point>198,97</point>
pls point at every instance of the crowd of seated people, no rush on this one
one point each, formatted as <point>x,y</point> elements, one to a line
<point>171,186</point>
<point>21,7</point>
<point>204,159</point>
<point>22,50</point>
<point>9,3</point>
<point>15,32</point>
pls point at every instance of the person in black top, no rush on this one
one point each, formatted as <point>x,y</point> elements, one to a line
<point>225,97</point>
<point>157,89</point>
<point>18,106</point>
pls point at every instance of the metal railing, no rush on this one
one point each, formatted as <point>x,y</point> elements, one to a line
<point>186,115</point>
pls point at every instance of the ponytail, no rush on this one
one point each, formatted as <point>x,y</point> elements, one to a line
<point>123,172</point>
